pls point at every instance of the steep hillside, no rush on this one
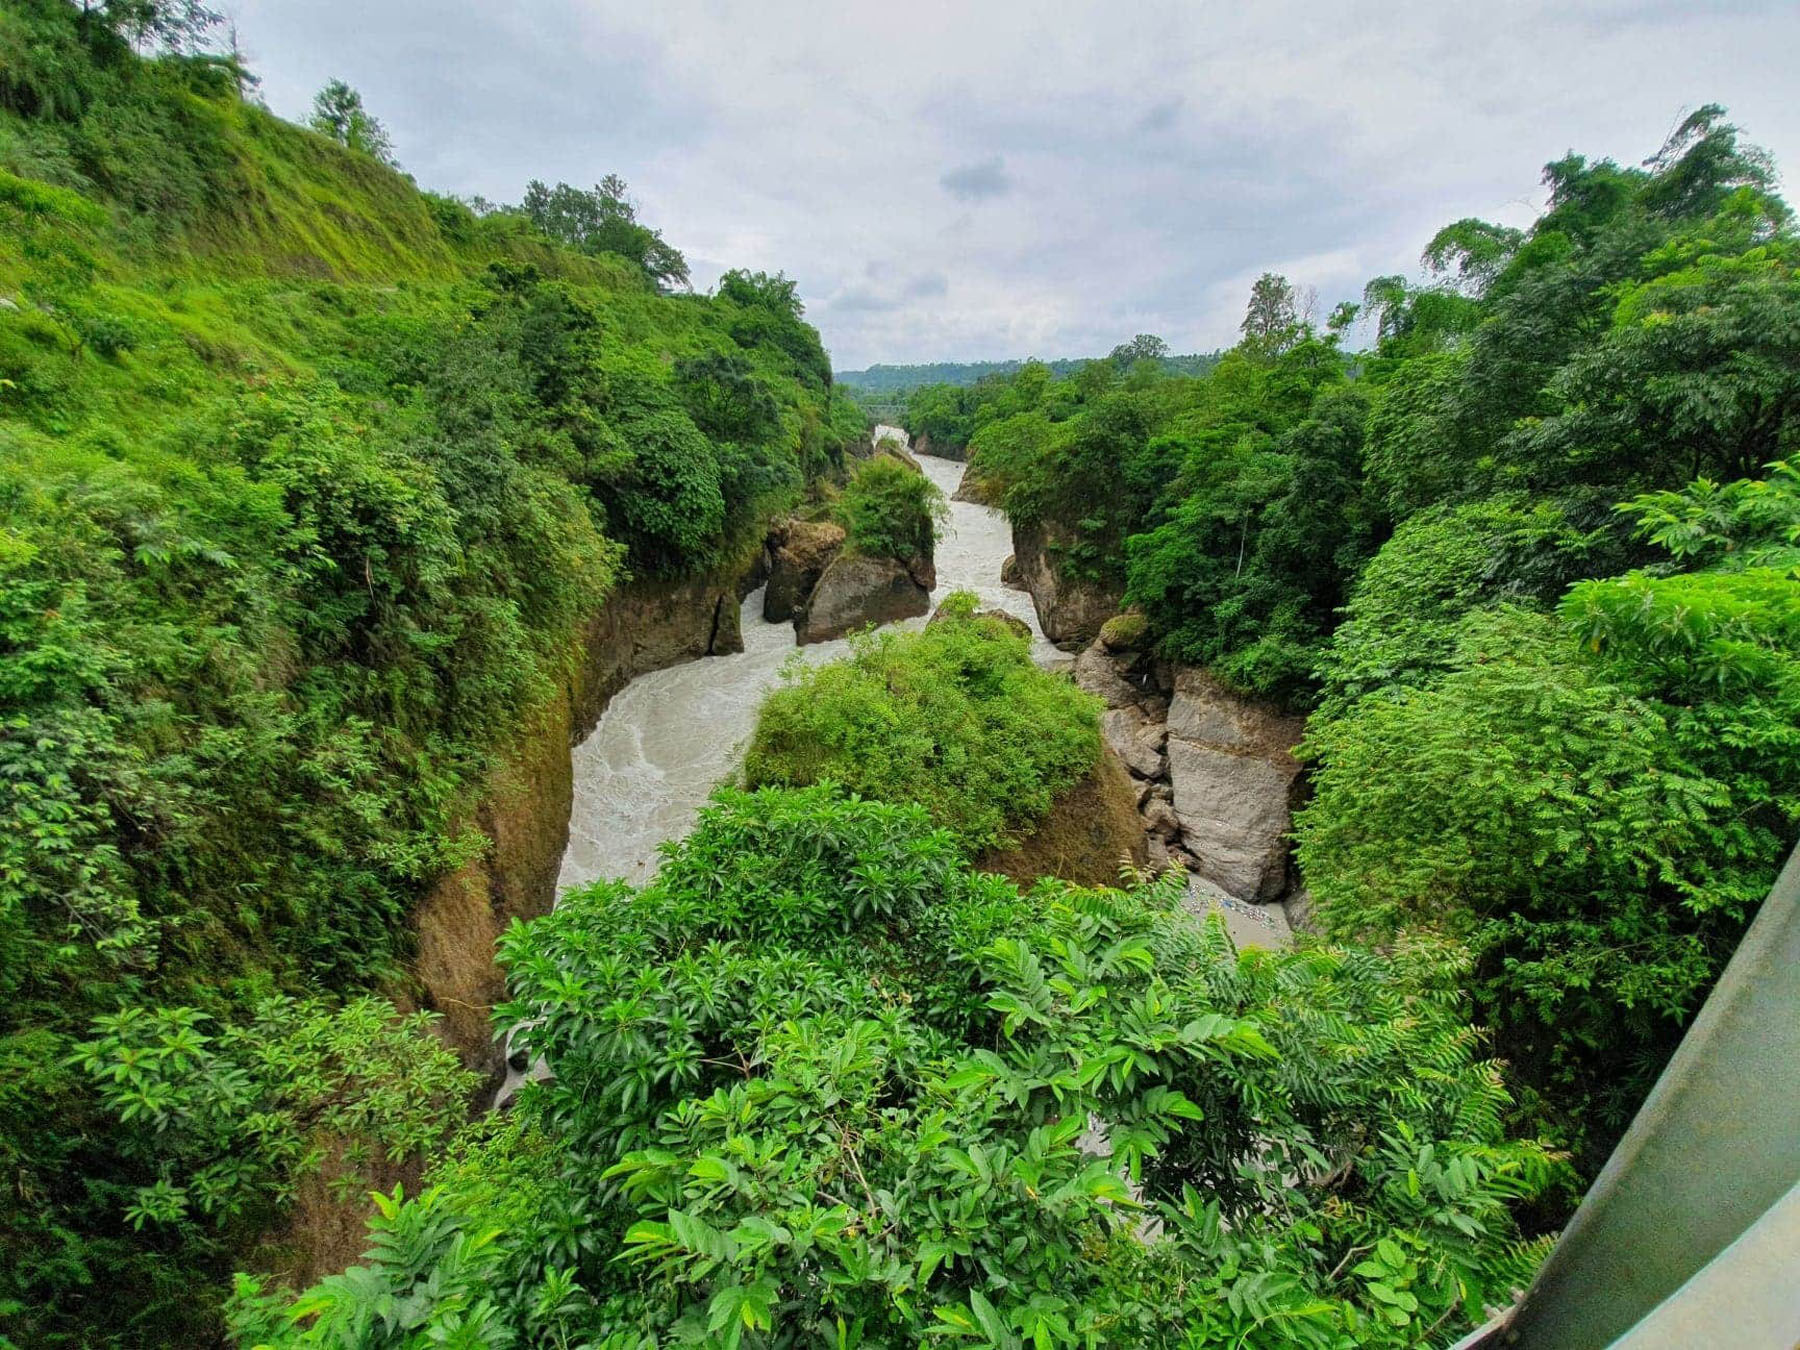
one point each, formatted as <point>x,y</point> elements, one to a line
<point>309,481</point>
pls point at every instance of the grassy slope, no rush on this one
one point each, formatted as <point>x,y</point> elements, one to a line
<point>191,289</point>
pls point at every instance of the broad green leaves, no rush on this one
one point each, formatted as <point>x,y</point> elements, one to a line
<point>795,1111</point>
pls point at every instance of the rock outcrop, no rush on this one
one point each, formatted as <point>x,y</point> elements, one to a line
<point>856,591</point>
<point>974,488</point>
<point>799,553</point>
<point>1214,772</point>
<point>1070,610</point>
<point>1233,771</point>
<point>924,445</point>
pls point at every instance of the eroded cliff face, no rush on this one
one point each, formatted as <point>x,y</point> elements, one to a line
<point>1069,611</point>
<point>524,810</point>
<point>1092,831</point>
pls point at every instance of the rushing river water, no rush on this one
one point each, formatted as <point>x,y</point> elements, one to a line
<point>668,737</point>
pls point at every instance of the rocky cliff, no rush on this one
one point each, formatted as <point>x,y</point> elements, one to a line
<point>1214,771</point>
<point>1070,611</point>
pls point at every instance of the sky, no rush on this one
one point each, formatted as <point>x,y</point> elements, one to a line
<point>994,178</point>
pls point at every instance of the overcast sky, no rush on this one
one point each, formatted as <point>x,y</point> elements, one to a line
<point>995,178</point>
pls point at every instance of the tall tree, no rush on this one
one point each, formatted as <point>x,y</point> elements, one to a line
<point>1143,347</point>
<point>179,26</point>
<point>338,112</point>
<point>604,220</point>
<point>1272,320</point>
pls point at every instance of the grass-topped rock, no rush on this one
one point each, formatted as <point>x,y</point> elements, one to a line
<point>956,718</point>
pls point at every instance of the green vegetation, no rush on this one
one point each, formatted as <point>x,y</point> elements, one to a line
<point>309,484</point>
<point>1531,560</point>
<point>308,481</point>
<point>885,382</point>
<point>890,510</point>
<point>957,719</point>
<point>821,1083</point>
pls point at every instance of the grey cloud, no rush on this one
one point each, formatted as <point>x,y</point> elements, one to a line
<point>1160,116</point>
<point>861,300</point>
<point>1169,160</point>
<point>979,181</point>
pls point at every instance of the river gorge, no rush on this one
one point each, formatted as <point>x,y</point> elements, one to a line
<point>669,736</point>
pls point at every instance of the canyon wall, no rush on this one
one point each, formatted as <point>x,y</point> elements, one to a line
<point>524,809</point>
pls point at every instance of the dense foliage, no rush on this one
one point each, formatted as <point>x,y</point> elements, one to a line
<point>957,719</point>
<point>889,509</point>
<point>819,1083</point>
<point>1525,558</point>
<point>889,381</point>
<point>308,480</point>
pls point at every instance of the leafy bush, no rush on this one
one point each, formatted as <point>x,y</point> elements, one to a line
<point>956,718</point>
<point>820,1082</point>
<point>891,510</point>
<point>229,1121</point>
<point>1600,849</point>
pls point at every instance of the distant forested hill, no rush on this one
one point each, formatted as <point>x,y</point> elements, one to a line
<point>886,379</point>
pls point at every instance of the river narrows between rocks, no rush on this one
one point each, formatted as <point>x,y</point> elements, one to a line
<point>668,738</point>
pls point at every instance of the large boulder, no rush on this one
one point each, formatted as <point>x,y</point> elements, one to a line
<point>801,551</point>
<point>856,591</point>
<point>1070,610</point>
<point>1137,741</point>
<point>1107,678</point>
<point>1234,775</point>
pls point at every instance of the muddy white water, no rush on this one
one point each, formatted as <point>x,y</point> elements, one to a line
<point>670,736</point>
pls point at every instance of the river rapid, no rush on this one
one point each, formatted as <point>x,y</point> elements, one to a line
<point>669,737</point>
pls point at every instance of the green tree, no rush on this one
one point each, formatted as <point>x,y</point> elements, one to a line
<point>1272,319</point>
<point>604,220</point>
<point>338,112</point>
<point>1143,347</point>
<point>820,1081</point>
<point>957,719</point>
<point>891,510</point>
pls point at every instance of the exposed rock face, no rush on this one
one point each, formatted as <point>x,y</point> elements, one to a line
<point>1136,740</point>
<point>1106,679</point>
<point>856,591</point>
<point>1301,915</point>
<point>1091,830</point>
<point>1069,611</point>
<point>975,488</point>
<point>924,445</point>
<point>999,616</point>
<point>1214,777</point>
<point>800,551</point>
<point>1009,573</point>
<point>1232,767</point>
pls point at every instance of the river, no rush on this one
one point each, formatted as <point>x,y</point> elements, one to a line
<point>669,737</point>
